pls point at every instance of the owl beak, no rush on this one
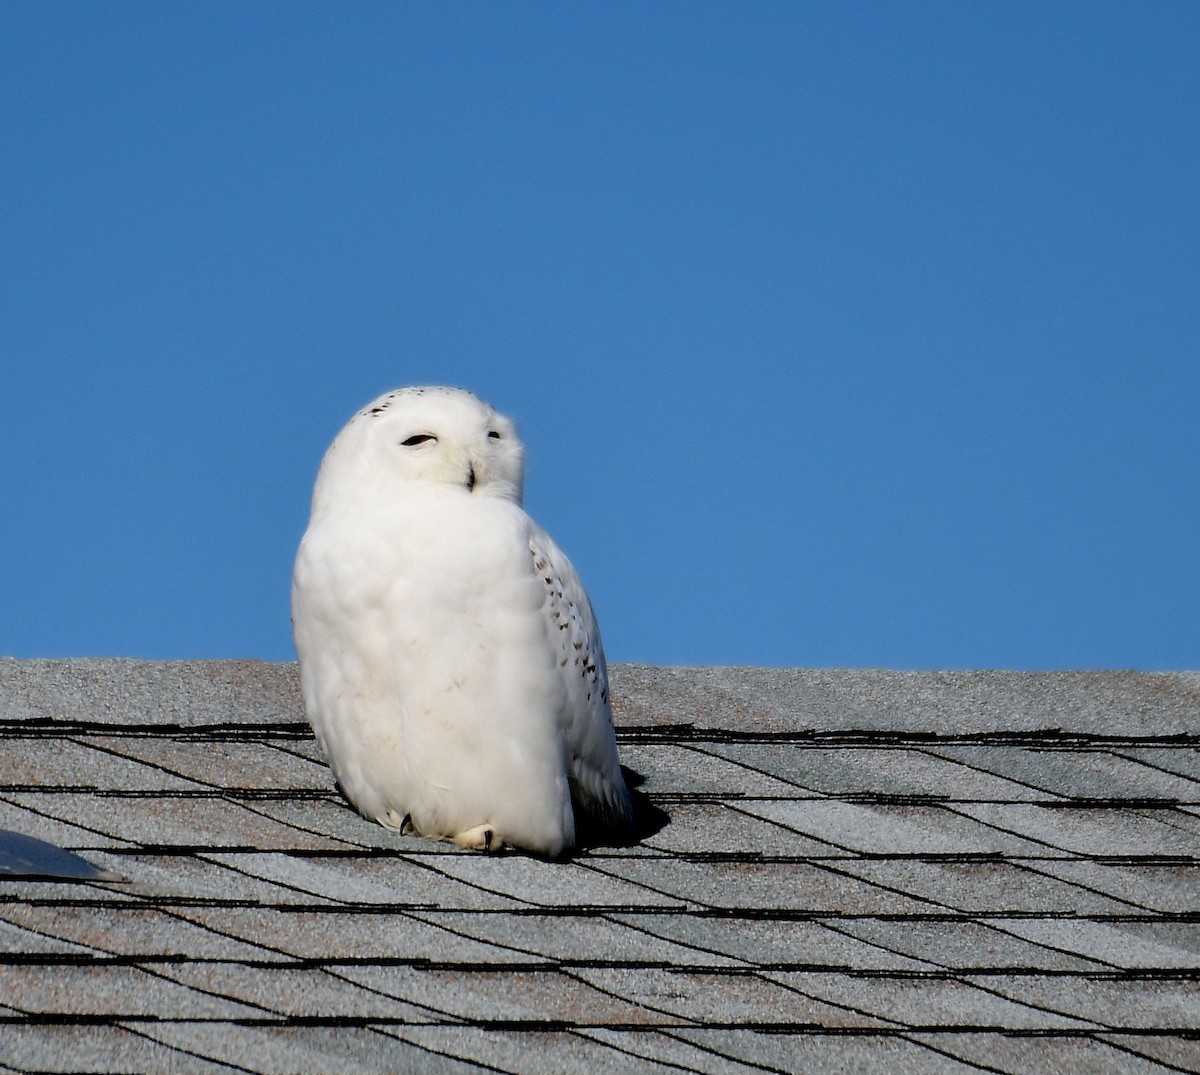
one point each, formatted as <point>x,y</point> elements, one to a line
<point>471,478</point>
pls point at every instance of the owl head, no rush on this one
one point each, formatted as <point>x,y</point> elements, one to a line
<point>439,435</point>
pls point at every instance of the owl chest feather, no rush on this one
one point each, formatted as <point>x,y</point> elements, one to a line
<point>435,602</point>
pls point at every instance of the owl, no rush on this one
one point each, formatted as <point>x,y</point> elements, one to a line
<point>450,661</point>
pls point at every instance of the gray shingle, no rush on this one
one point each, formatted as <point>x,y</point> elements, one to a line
<point>253,766</point>
<point>293,1050</point>
<point>676,997</point>
<point>642,1050</point>
<point>115,992</point>
<point>133,929</point>
<point>96,1050</point>
<point>888,829</point>
<point>167,819</point>
<point>1074,773</point>
<point>345,934</point>
<point>1099,831</point>
<point>780,886</point>
<point>1136,945</point>
<point>21,891</point>
<point>555,939</point>
<point>147,694</point>
<point>1018,1055</point>
<point>1125,1002</point>
<point>1179,1052</point>
<point>1150,886</point>
<point>61,763</point>
<point>538,883</point>
<point>925,1001</point>
<point>484,995</point>
<point>536,1052</point>
<point>1173,758</point>
<point>699,828</point>
<point>772,942</point>
<point>860,871</point>
<point>868,770</point>
<point>788,700</point>
<point>979,888</point>
<point>328,816</point>
<point>186,878</point>
<point>864,1054</point>
<point>962,945</point>
<point>392,882</point>
<point>278,989</point>
<point>675,768</point>
<point>33,822</point>
<point>16,940</point>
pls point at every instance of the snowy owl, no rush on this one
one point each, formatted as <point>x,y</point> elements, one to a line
<point>450,662</point>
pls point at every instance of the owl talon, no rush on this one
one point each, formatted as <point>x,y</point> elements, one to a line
<point>480,838</point>
<point>403,825</point>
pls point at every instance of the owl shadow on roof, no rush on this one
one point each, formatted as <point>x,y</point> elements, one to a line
<point>648,820</point>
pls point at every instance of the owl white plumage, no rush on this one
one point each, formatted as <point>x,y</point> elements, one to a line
<point>450,661</point>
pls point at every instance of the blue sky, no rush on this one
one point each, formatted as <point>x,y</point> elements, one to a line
<point>839,334</point>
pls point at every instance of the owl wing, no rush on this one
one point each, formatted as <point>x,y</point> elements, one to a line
<point>597,785</point>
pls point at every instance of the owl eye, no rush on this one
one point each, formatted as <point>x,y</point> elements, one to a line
<point>493,435</point>
<point>418,438</point>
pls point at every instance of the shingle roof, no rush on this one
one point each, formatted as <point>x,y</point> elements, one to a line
<point>858,871</point>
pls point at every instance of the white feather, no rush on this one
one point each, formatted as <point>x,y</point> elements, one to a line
<point>450,662</point>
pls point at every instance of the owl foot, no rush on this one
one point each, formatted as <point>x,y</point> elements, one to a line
<point>480,838</point>
<point>392,820</point>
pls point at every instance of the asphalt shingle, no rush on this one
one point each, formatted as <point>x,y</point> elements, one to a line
<point>851,871</point>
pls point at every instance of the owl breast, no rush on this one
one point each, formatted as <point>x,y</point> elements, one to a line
<point>426,667</point>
